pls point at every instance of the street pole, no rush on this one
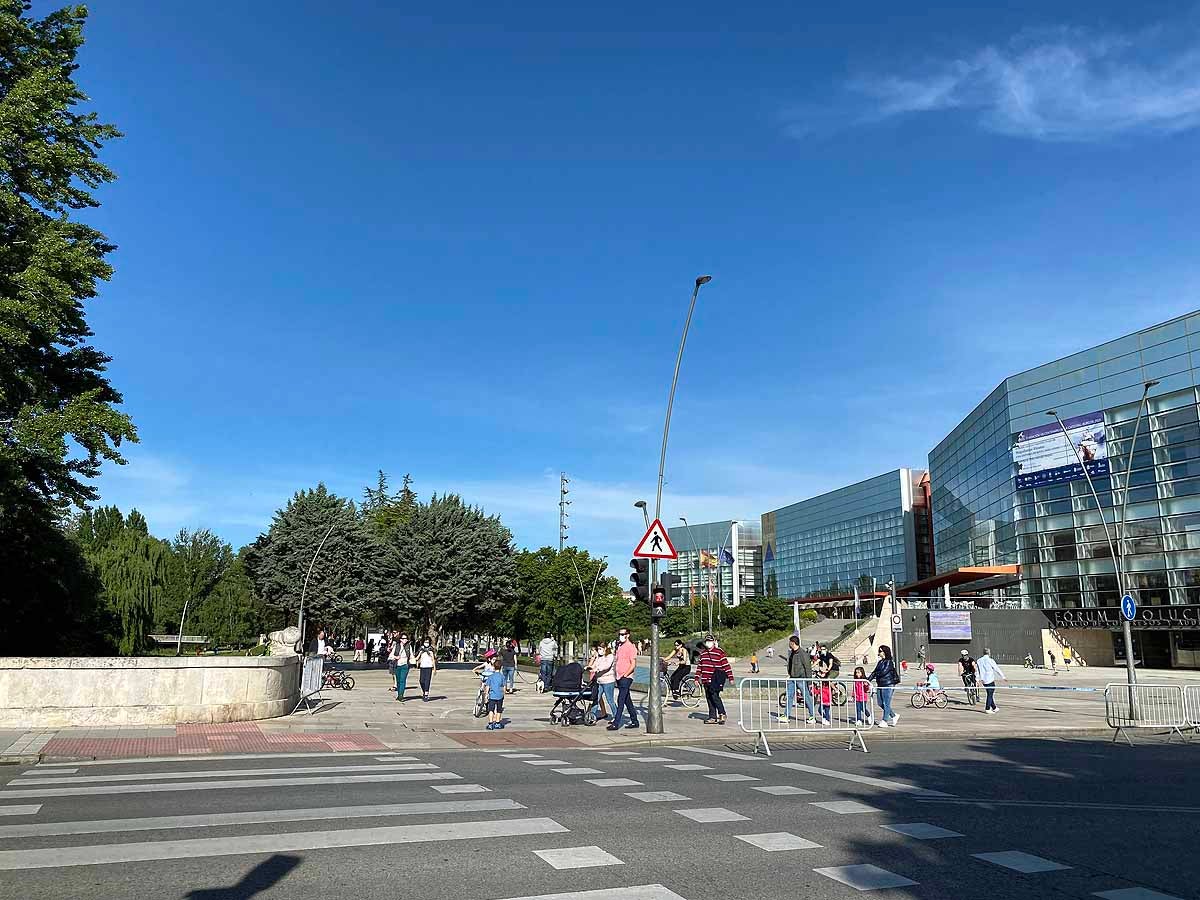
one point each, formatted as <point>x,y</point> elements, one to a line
<point>654,720</point>
<point>588,600</point>
<point>1126,631</point>
<point>304,588</point>
<point>695,548</point>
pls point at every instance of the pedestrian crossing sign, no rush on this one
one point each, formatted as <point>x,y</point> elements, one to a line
<point>655,543</point>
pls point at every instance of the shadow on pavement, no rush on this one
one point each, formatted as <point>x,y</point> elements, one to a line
<point>265,875</point>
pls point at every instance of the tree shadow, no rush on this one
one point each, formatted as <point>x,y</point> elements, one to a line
<point>265,875</point>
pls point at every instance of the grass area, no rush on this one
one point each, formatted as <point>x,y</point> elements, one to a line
<point>742,641</point>
<point>190,650</point>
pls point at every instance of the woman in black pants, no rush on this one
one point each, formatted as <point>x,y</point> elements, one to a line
<point>714,670</point>
<point>683,665</point>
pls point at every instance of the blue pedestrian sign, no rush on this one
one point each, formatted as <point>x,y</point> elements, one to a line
<point>1128,607</point>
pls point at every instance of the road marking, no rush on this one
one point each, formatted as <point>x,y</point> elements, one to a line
<point>578,857</point>
<point>724,754</point>
<point>396,759</point>
<point>223,773</point>
<point>38,770</point>
<point>657,796</point>
<point>845,807</point>
<point>613,782</point>
<point>636,892</point>
<point>689,767</point>
<point>712,814</point>
<point>1054,804</point>
<point>865,878</point>
<point>460,788</point>
<point>214,757</point>
<point>862,779</point>
<point>1026,863</point>
<point>774,841</point>
<point>26,810</point>
<point>578,770</point>
<point>922,831</point>
<point>546,762</point>
<point>732,776</point>
<point>651,759</point>
<point>782,790</point>
<point>618,753</point>
<point>522,755</point>
<point>1137,893</point>
<point>86,790</point>
<point>102,854</point>
<point>256,817</point>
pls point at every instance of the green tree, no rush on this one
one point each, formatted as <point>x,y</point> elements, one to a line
<point>384,511</point>
<point>234,616</point>
<point>199,559</point>
<point>133,568</point>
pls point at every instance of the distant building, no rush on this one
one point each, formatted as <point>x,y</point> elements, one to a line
<point>722,557</point>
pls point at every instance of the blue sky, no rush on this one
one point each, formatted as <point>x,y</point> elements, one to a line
<point>460,243</point>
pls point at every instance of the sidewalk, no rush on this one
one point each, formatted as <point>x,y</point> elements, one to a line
<point>370,719</point>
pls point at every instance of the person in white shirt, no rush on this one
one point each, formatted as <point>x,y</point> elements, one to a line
<point>427,662</point>
<point>547,651</point>
<point>987,672</point>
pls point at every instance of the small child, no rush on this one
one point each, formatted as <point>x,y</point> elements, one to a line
<point>753,663</point>
<point>495,704</point>
<point>862,697</point>
<point>826,701</point>
<point>933,684</point>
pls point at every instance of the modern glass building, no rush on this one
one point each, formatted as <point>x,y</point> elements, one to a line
<point>724,558</point>
<point>827,545</point>
<point>1007,489</point>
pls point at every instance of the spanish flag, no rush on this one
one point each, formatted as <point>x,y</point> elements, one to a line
<point>708,560</point>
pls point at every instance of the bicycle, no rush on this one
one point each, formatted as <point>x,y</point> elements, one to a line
<point>336,678</point>
<point>691,691</point>
<point>971,689</point>
<point>837,695</point>
<point>481,702</point>
<point>923,696</point>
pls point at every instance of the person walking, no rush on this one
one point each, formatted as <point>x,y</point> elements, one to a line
<point>427,663</point>
<point>887,677</point>
<point>626,664</point>
<point>988,672</point>
<point>604,674</point>
<point>359,646</point>
<point>508,666</point>
<point>799,668</point>
<point>1053,662</point>
<point>714,671</point>
<point>400,658</point>
<point>495,699</point>
<point>370,649</point>
<point>683,665</point>
<point>547,651</point>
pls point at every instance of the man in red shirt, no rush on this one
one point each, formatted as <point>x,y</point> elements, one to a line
<point>625,665</point>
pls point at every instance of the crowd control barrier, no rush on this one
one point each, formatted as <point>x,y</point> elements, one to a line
<point>819,706</point>
<point>1191,705</point>
<point>1159,706</point>
<point>312,678</point>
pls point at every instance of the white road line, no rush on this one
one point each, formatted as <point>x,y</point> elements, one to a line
<point>782,790</point>
<point>38,770</point>
<point>865,878</point>
<point>636,892</point>
<point>845,807</point>
<point>213,757</point>
<point>461,789</point>
<point>85,790</point>
<point>25,810</point>
<point>724,754</point>
<point>545,762</point>
<point>522,755</point>
<point>214,820</point>
<point>689,767</point>
<point>712,814</point>
<point>578,857</point>
<point>1137,893</point>
<point>613,782</point>
<point>774,841</point>
<point>657,796</point>
<point>1054,804</point>
<point>1025,863</point>
<point>862,779</point>
<point>618,753</point>
<point>652,759</point>
<point>731,776</point>
<point>578,770</point>
<point>397,759</point>
<point>922,831</point>
<point>223,773</point>
<point>102,854</point>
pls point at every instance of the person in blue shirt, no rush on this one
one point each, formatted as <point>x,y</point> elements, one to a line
<point>494,680</point>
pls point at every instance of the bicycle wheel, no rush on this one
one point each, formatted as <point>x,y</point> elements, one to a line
<point>480,707</point>
<point>917,699</point>
<point>347,683</point>
<point>337,657</point>
<point>941,701</point>
<point>839,694</point>
<point>783,700</point>
<point>691,692</point>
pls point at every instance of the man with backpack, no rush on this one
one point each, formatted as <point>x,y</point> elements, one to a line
<point>799,672</point>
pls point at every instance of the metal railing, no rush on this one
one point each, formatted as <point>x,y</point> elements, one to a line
<point>312,680</point>
<point>1159,706</point>
<point>770,706</point>
<point>1191,705</point>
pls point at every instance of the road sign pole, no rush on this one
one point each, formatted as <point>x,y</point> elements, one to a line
<point>654,715</point>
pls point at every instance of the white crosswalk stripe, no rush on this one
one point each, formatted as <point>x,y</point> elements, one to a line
<point>27,809</point>
<point>635,892</point>
<point>224,773</point>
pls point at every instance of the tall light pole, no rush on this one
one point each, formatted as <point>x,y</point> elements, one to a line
<point>654,720</point>
<point>696,549</point>
<point>1126,631</point>
<point>588,599</point>
<point>304,587</point>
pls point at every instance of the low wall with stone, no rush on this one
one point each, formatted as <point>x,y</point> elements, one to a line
<point>60,691</point>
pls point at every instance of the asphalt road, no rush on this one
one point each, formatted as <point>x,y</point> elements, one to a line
<point>1095,818</point>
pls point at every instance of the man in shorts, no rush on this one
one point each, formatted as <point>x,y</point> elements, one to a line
<point>494,680</point>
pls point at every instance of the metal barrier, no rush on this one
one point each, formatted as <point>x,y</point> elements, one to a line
<point>817,706</point>
<point>1191,705</point>
<point>1145,706</point>
<point>312,678</point>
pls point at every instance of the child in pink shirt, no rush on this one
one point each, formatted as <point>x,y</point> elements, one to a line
<point>862,697</point>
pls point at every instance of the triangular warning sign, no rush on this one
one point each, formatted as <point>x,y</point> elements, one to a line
<point>656,544</point>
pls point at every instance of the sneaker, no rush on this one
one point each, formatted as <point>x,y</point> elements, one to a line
<point>613,727</point>
<point>895,720</point>
<point>883,724</point>
<point>632,726</point>
<point>990,712</point>
<point>491,726</point>
<point>782,720</point>
<point>810,721</point>
<point>824,721</point>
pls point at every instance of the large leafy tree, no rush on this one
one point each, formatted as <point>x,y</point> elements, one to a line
<point>348,573</point>
<point>198,561</point>
<point>133,567</point>
<point>233,615</point>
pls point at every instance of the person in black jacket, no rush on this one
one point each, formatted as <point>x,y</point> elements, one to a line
<point>885,675</point>
<point>799,667</point>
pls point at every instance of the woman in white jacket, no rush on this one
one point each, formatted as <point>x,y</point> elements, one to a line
<point>427,662</point>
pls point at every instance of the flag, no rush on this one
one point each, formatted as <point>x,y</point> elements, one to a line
<point>692,602</point>
<point>707,560</point>
<point>726,557</point>
<point>856,602</point>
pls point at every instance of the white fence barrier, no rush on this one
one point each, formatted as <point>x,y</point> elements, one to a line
<point>312,678</point>
<point>1191,705</point>
<point>1146,706</point>
<point>775,706</point>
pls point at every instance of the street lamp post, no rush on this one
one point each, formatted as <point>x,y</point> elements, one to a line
<point>1126,632</point>
<point>588,599</point>
<point>696,550</point>
<point>654,720</point>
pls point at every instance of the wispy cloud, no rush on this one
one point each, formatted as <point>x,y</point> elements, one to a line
<point>1063,84</point>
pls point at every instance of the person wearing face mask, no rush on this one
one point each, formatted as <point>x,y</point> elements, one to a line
<point>400,658</point>
<point>714,671</point>
<point>605,675</point>
<point>427,662</point>
<point>625,664</point>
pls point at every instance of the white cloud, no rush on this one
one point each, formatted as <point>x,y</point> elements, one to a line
<point>1058,85</point>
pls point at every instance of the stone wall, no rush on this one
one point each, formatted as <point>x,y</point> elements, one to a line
<point>51,692</point>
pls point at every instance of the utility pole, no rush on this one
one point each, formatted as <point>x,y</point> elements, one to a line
<point>563,503</point>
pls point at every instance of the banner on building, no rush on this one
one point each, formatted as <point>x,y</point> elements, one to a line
<point>1043,456</point>
<point>950,625</point>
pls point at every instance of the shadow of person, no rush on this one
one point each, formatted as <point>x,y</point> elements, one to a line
<point>266,874</point>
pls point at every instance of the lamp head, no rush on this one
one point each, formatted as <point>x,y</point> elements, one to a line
<point>640,504</point>
<point>1150,384</point>
<point>1052,412</point>
<point>703,279</point>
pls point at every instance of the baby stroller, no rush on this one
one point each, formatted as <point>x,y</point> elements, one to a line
<point>573,700</point>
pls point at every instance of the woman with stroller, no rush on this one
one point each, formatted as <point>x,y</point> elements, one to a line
<point>604,675</point>
<point>714,671</point>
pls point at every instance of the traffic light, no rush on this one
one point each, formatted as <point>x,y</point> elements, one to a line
<point>640,579</point>
<point>670,586</point>
<point>658,603</point>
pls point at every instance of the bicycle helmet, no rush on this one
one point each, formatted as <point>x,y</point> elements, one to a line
<point>489,654</point>
<point>929,667</point>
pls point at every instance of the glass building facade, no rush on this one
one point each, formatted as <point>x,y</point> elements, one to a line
<point>1054,530</point>
<point>827,545</point>
<point>735,544</point>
